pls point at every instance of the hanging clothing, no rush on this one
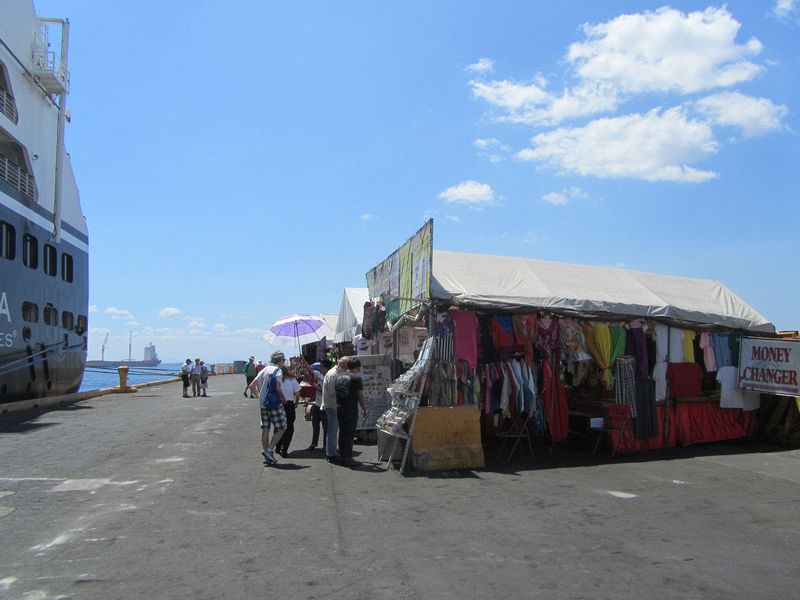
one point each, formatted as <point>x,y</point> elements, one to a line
<point>636,346</point>
<point>708,352</point>
<point>688,346</point>
<point>503,331</point>
<point>573,342</point>
<point>662,342</point>
<point>731,395</point>
<point>525,332</point>
<point>548,338</point>
<point>660,380</point>
<point>722,351</point>
<point>485,339</point>
<point>598,341</point>
<point>554,401</point>
<point>619,337</point>
<point>684,379</point>
<point>466,337</point>
<point>625,375</point>
<point>646,424</point>
<point>676,345</point>
<point>734,342</point>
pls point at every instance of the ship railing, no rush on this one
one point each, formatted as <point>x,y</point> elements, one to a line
<point>7,105</point>
<point>19,179</point>
<point>51,72</point>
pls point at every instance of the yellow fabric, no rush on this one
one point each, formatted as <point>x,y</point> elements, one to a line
<point>405,277</point>
<point>688,346</point>
<point>598,342</point>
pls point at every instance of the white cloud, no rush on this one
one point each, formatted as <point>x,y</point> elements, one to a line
<point>250,332</point>
<point>119,313</point>
<point>169,311</point>
<point>93,309</point>
<point>656,146</point>
<point>368,217</point>
<point>492,149</point>
<point>220,327</point>
<point>132,323</point>
<point>98,331</point>
<point>666,50</point>
<point>469,192</point>
<point>197,324</point>
<point>555,198</point>
<point>484,65</point>
<point>755,116</point>
<point>785,9</point>
<point>453,218</point>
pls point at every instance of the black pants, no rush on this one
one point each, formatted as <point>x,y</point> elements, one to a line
<point>318,417</point>
<point>291,415</point>
<point>348,419</point>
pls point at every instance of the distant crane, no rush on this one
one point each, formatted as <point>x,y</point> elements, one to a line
<point>103,349</point>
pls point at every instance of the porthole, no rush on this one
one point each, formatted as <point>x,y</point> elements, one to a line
<point>67,320</point>
<point>81,325</point>
<point>50,315</point>
<point>66,267</point>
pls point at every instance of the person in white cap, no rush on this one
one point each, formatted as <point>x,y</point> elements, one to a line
<point>267,385</point>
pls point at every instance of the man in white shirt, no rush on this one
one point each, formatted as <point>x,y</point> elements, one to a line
<point>291,390</point>
<point>329,406</point>
<point>195,377</point>
<point>270,398</point>
<point>318,415</point>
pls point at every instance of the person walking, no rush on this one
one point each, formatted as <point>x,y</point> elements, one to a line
<point>249,371</point>
<point>195,377</point>
<point>329,407</point>
<point>318,416</point>
<point>204,373</point>
<point>349,396</point>
<point>186,372</point>
<point>291,392</point>
<point>271,400</point>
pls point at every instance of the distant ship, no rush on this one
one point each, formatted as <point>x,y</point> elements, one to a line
<point>44,242</point>
<point>150,358</point>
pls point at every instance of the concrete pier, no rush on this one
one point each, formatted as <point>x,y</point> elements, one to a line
<point>151,495</point>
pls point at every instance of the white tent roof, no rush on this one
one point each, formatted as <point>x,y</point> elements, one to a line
<point>330,320</point>
<point>351,314</point>
<point>514,284</point>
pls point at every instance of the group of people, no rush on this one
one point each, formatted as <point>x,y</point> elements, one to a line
<point>338,394</point>
<point>195,375</point>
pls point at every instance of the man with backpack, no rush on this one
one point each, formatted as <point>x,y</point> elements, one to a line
<point>267,385</point>
<point>349,396</point>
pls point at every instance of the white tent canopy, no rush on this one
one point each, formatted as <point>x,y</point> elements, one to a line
<point>513,284</point>
<point>351,313</point>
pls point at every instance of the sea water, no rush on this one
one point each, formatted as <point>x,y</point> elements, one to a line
<point>96,378</point>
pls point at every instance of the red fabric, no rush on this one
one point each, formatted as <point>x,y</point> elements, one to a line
<point>629,443</point>
<point>684,379</point>
<point>554,401</point>
<point>689,423</point>
<point>503,331</point>
<point>308,391</point>
<point>707,422</point>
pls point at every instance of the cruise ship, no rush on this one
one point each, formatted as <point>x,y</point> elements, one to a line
<point>44,242</point>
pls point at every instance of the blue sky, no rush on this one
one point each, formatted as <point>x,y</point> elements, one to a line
<point>244,160</point>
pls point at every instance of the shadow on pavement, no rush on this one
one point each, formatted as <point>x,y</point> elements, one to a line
<point>24,421</point>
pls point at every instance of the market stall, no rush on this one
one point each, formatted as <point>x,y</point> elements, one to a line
<point>634,360</point>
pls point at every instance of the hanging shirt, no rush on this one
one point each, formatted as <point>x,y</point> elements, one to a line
<point>722,352</point>
<point>684,379</point>
<point>708,352</point>
<point>465,323</point>
<point>731,395</point>
<point>688,346</point>
<point>676,345</point>
<point>662,342</point>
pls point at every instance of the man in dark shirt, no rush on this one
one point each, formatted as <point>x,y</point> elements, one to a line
<point>349,396</point>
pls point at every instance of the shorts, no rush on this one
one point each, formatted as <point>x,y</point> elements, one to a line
<point>273,416</point>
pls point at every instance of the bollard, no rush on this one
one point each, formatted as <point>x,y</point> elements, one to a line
<point>123,376</point>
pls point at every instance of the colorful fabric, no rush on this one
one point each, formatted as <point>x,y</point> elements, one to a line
<point>598,342</point>
<point>466,337</point>
<point>573,342</point>
<point>708,352</point>
<point>548,338</point>
<point>554,402</point>
<point>722,351</point>
<point>636,346</point>
<point>503,331</point>
<point>525,332</point>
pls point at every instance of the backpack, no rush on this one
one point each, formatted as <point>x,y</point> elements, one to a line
<point>272,399</point>
<point>342,388</point>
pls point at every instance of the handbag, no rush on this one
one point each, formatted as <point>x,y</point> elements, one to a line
<point>309,412</point>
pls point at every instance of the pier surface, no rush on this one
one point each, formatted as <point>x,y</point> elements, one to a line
<point>151,495</point>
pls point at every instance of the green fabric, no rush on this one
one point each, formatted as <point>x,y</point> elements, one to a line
<point>249,369</point>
